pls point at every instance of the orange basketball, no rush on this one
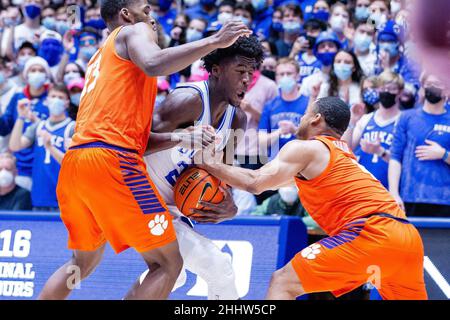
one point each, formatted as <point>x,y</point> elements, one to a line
<point>194,185</point>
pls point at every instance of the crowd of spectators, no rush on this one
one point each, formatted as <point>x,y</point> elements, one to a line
<point>359,50</point>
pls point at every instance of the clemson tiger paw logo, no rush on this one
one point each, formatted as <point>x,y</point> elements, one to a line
<point>158,225</point>
<point>311,252</point>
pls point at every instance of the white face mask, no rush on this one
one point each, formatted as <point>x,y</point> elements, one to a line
<point>6,178</point>
<point>338,23</point>
<point>224,17</point>
<point>395,7</point>
<point>288,194</point>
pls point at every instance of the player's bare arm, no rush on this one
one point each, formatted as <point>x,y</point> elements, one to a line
<point>296,157</point>
<point>138,43</point>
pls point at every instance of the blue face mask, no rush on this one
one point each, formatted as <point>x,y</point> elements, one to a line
<point>362,42</point>
<point>208,3</point>
<point>277,26</point>
<point>87,52</point>
<point>165,5</point>
<point>37,79</point>
<point>62,27</point>
<point>49,23</point>
<point>362,13</point>
<point>193,35</point>
<point>259,5</point>
<point>98,24</point>
<point>326,58</point>
<point>371,97</point>
<point>243,19</point>
<point>68,77</point>
<point>56,106</point>
<point>75,98</point>
<point>321,15</point>
<point>32,11</point>
<point>391,47</point>
<point>51,50</point>
<point>291,27</point>
<point>287,84</point>
<point>343,71</point>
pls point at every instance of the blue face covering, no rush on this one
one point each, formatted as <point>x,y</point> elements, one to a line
<point>56,106</point>
<point>291,27</point>
<point>98,24</point>
<point>287,84</point>
<point>321,15</point>
<point>32,11</point>
<point>49,23</point>
<point>326,58</point>
<point>343,71</point>
<point>277,26</point>
<point>62,27</point>
<point>87,52</point>
<point>362,13</point>
<point>208,3</point>
<point>259,5</point>
<point>75,98</point>
<point>391,47</point>
<point>362,42</point>
<point>371,97</point>
<point>37,79</point>
<point>51,50</point>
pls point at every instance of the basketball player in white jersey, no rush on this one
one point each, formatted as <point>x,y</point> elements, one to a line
<point>213,103</point>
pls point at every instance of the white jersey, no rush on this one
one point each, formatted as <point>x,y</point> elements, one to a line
<point>166,166</point>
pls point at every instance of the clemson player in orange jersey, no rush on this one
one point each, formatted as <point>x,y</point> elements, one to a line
<point>369,236</point>
<point>104,191</point>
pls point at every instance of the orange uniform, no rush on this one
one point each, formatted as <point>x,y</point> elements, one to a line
<point>370,238</point>
<point>104,191</point>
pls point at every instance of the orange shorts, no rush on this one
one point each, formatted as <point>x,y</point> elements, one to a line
<point>383,251</point>
<point>105,194</point>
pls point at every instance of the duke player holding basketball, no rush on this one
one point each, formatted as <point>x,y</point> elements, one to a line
<point>369,236</point>
<point>104,191</point>
<point>212,103</point>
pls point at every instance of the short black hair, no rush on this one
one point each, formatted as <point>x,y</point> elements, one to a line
<point>109,9</point>
<point>335,112</point>
<point>245,6</point>
<point>248,47</point>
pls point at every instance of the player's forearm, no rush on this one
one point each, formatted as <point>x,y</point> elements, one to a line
<point>161,141</point>
<point>394,172</point>
<point>171,60</point>
<point>236,177</point>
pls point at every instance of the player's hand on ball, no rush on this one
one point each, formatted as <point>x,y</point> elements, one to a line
<point>230,32</point>
<point>196,138</point>
<point>216,212</point>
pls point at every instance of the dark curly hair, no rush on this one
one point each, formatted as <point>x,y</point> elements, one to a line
<point>248,47</point>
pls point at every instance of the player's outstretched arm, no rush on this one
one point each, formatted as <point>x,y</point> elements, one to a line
<point>142,48</point>
<point>292,159</point>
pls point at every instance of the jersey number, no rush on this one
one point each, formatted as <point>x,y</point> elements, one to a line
<point>173,175</point>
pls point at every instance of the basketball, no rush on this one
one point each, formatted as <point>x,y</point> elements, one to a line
<point>196,185</point>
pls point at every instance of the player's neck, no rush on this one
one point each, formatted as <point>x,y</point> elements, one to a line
<point>437,108</point>
<point>217,101</point>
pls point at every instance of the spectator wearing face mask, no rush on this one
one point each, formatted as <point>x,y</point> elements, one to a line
<point>262,18</point>
<point>33,98</point>
<point>280,118</point>
<point>321,11</point>
<point>326,46</point>
<point>196,29</point>
<point>370,94</point>
<point>204,9</point>
<point>292,20</point>
<point>178,32</point>
<point>31,29</point>
<point>226,11</point>
<point>25,53</point>
<point>339,23</point>
<point>49,18</point>
<point>362,11</point>
<point>165,14</point>
<point>419,169</point>
<point>276,28</point>
<point>93,19</point>
<point>7,90</point>
<point>12,197</point>
<point>379,13</point>
<point>88,43</point>
<point>51,49</point>
<point>363,47</point>
<point>390,56</point>
<point>75,88</point>
<point>302,51</point>
<point>50,139</point>
<point>269,66</point>
<point>372,134</point>
<point>72,71</point>
<point>62,23</point>
<point>244,12</point>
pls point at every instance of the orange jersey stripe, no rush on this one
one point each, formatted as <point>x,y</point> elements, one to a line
<point>117,101</point>
<point>345,191</point>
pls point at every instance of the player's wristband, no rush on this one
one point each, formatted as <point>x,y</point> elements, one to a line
<point>445,157</point>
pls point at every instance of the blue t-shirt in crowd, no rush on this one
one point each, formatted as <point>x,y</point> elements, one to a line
<point>45,167</point>
<point>278,110</point>
<point>7,121</point>
<point>307,68</point>
<point>167,20</point>
<point>262,22</point>
<point>373,163</point>
<point>197,11</point>
<point>422,181</point>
